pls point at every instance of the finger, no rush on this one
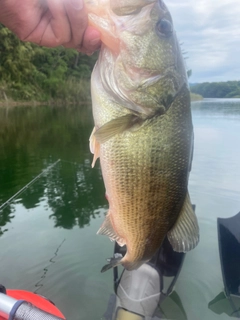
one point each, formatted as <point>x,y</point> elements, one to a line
<point>77,17</point>
<point>91,40</point>
<point>58,29</point>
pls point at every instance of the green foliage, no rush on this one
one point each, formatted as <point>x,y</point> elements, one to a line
<point>15,62</point>
<point>229,89</point>
<point>30,72</point>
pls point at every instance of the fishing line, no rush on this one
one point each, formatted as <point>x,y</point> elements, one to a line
<point>70,162</point>
<point>39,284</point>
<point>75,163</point>
<point>30,183</point>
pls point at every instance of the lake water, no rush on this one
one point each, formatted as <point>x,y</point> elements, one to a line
<point>48,241</point>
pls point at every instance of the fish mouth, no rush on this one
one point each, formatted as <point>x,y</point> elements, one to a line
<point>105,21</point>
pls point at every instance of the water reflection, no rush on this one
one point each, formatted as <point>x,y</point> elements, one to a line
<point>31,140</point>
<point>5,217</point>
<point>70,196</point>
<point>73,193</point>
<point>217,107</point>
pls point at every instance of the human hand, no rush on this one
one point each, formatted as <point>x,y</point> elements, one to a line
<point>50,23</point>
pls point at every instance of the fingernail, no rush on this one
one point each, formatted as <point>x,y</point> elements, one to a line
<point>77,4</point>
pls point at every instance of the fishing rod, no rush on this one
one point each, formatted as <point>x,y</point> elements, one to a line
<point>24,305</point>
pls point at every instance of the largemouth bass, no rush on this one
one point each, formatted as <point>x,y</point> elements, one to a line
<point>143,130</point>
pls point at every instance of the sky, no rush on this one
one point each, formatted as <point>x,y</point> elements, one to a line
<point>210,33</point>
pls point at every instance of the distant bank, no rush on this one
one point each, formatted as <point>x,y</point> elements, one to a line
<point>228,89</point>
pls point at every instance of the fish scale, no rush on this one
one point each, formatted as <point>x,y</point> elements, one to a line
<point>143,135</point>
<point>139,196</point>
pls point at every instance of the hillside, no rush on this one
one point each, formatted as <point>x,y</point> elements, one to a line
<point>29,72</point>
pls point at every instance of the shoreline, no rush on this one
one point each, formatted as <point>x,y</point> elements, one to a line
<point>11,103</point>
<point>33,103</point>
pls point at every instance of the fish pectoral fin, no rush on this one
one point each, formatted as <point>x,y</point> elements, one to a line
<point>108,230</point>
<point>112,262</point>
<point>94,147</point>
<point>184,235</point>
<point>116,126</point>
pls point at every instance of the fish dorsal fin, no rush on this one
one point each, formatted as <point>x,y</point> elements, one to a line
<point>108,230</point>
<point>184,235</point>
<point>116,126</point>
<point>94,147</point>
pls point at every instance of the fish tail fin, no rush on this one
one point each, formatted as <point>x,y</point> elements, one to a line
<point>119,259</point>
<point>112,262</point>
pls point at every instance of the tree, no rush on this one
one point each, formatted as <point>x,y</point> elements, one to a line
<point>229,89</point>
<point>28,71</point>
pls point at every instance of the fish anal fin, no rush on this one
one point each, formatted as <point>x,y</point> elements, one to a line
<point>108,230</point>
<point>116,126</point>
<point>94,147</point>
<point>184,235</point>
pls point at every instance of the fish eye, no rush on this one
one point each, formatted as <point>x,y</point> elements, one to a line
<point>164,28</point>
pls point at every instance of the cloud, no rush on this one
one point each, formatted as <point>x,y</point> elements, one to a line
<point>210,33</point>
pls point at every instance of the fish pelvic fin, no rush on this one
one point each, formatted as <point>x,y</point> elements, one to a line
<point>107,229</point>
<point>94,147</point>
<point>184,235</point>
<point>116,126</point>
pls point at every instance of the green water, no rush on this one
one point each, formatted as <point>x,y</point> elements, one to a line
<point>48,241</point>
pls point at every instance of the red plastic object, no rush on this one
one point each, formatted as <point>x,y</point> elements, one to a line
<point>36,300</point>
